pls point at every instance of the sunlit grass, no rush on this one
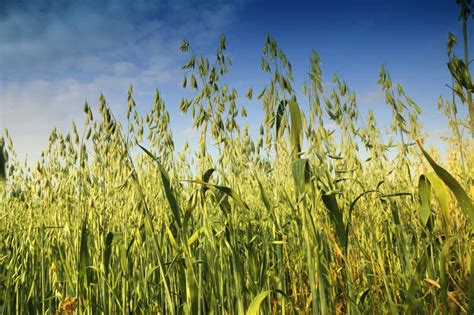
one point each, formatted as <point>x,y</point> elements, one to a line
<point>112,219</point>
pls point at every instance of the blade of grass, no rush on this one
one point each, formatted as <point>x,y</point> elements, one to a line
<point>464,202</point>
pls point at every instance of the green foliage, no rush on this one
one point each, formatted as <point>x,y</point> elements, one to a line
<point>301,218</point>
<point>465,203</point>
<point>3,162</point>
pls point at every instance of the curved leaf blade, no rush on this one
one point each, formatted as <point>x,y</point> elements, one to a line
<point>424,191</point>
<point>296,127</point>
<point>166,187</point>
<point>254,307</point>
<point>464,202</point>
<point>226,190</point>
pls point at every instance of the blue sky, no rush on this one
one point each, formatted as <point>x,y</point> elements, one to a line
<point>55,55</point>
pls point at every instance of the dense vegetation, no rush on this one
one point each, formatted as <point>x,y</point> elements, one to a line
<point>301,218</point>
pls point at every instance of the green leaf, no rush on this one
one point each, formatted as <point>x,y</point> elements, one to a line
<point>296,127</point>
<point>301,174</point>
<point>279,118</point>
<point>107,251</point>
<point>205,178</point>
<point>351,208</point>
<point>226,190</point>
<point>167,188</point>
<point>424,191</point>
<point>195,236</point>
<point>84,258</point>
<point>207,175</point>
<point>264,196</point>
<point>231,193</point>
<point>254,307</point>
<point>471,284</point>
<point>439,190</point>
<point>464,202</point>
<point>460,72</point>
<point>3,162</point>
<point>335,213</point>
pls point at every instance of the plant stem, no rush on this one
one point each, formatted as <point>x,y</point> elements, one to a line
<point>466,61</point>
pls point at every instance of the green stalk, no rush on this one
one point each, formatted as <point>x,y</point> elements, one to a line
<point>466,61</point>
<point>458,132</point>
<point>405,153</point>
<point>43,275</point>
<point>310,260</point>
<point>471,283</point>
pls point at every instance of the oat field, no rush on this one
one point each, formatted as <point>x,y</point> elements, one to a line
<point>289,217</point>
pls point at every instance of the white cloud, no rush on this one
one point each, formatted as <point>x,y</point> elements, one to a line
<point>50,37</point>
<point>31,109</point>
<point>372,97</point>
<point>56,55</point>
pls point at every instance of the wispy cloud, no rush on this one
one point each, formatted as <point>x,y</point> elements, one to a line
<point>49,37</point>
<point>55,55</point>
<point>372,97</point>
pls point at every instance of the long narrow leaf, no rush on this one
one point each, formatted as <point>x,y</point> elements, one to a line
<point>167,188</point>
<point>464,202</point>
<point>226,190</point>
<point>296,127</point>
<point>424,190</point>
